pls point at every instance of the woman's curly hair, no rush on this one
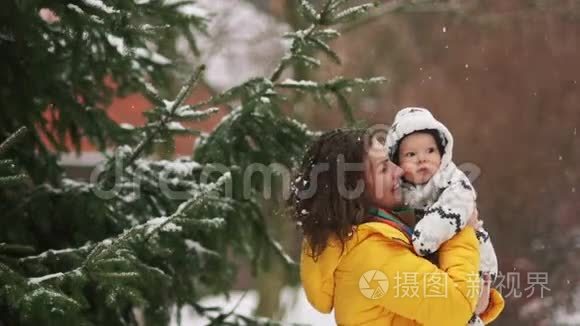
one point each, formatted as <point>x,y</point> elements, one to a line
<point>320,208</point>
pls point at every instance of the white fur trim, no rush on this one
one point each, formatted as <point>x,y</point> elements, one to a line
<point>412,119</point>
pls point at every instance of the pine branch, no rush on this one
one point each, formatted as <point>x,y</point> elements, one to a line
<point>97,253</point>
<point>49,277</point>
<point>58,253</point>
<point>296,48</point>
<point>12,180</point>
<point>186,89</point>
<point>327,6</point>
<point>9,164</point>
<point>333,5</point>
<point>383,9</point>
<point>308,11</point>
<point>108,246</point>
<point>313,37</point>
<point>327,50</point>
<point>351,14</point>
<point>336,87</point>
<point>12,140</point>
<point>181,96</point>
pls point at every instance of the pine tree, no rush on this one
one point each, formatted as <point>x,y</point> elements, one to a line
<point>67,61</point>
<point>143,235</point>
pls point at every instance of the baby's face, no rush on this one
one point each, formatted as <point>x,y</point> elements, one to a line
<point>419,157</point>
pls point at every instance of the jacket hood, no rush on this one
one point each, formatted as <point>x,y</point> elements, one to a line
<point>318,276</point>
<point>412,119</point>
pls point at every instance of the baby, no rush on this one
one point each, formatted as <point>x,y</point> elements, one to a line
<point>441,194</point>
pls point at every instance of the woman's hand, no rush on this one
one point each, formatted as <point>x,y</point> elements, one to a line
<point>483,301</point>
<point>474,220</point>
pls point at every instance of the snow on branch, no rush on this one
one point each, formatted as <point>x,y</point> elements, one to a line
<point>98,4</point>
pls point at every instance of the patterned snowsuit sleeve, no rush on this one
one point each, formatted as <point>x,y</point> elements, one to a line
<point>445,218</point>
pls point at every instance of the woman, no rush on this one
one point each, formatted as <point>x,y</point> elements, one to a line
<point>357,256</point>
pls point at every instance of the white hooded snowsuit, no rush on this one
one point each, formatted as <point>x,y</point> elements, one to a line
<point>447,199</point>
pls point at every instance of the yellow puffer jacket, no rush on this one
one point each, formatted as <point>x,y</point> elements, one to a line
<point>378,280</point>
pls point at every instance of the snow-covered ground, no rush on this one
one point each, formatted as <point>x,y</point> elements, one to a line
<point>298,310</point>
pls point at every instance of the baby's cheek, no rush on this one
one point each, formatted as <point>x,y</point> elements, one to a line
<point>409,176</point>
<point>408,167</point>
<point>409,170</point>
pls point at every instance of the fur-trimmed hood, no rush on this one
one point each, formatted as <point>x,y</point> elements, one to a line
<point>412,119</point>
